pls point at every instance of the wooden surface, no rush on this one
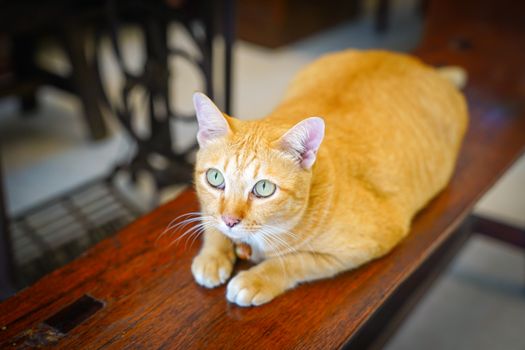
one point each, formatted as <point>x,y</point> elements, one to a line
<point>148,294</point>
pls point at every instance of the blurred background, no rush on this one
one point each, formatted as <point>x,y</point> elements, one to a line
<point>97,128</point>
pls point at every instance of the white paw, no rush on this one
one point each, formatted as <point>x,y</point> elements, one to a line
<point>247,289</point>
<point>211,269</point>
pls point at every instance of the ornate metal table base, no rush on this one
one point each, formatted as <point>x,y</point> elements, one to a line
<point>156,152</point>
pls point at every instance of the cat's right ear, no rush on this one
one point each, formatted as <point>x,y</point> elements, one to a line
<point>212,123</point>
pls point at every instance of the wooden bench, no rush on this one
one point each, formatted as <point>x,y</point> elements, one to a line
<point>134,291</point>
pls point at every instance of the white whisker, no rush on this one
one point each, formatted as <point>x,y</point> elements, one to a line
<point>171,225</point>
<point>196,230</point>
<point>197,233</point>
<point>296,237</point>
<point>194,213</point>
<point>274,232</point>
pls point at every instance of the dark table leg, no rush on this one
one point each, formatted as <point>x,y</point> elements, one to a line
<point>23,57</point>
<point>229,38</point>
<point>498,230</point>
<point>219,19</point>
<point>382,15</point>
<point>6,252</point>
<point>84,80</point>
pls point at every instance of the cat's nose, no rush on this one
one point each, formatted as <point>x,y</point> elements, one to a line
<point>230,221</point>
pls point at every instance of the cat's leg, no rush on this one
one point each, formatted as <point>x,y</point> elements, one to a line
<point>214,263</point>
<point>272,277</point>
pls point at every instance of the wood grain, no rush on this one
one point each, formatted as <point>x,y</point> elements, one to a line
<point>150,299</point>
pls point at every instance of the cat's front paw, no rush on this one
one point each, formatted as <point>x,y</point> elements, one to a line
<point>248,288</point>
<point>211,269</point>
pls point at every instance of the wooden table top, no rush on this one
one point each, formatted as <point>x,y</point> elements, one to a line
<point>151,301</point>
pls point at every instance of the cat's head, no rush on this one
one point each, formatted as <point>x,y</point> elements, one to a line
<point>253,178</point>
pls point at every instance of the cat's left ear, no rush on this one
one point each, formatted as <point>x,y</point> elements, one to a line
<point>212,123</point>
<point>303,140</point>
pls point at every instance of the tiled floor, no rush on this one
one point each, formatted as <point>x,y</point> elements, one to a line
<point>479,303</point>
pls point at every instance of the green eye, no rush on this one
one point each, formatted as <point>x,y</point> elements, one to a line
<point>215,178</point>
<point>264,188</point>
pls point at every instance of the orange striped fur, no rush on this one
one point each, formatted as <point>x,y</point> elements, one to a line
<point>394,127</point>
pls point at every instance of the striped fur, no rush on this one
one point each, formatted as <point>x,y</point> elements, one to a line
<point>394,127</point>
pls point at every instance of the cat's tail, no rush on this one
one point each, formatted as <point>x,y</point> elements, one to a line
<point>455,74</point>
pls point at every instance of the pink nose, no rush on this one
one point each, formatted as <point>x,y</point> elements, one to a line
<point>230,221</point>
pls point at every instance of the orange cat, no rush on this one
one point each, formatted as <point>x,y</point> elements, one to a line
<point>311,203</point>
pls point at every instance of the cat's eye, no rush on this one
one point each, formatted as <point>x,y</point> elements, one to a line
<point>215,178</point>
<point>264,188</point>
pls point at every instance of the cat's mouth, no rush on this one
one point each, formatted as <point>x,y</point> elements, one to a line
<point>235,233</point>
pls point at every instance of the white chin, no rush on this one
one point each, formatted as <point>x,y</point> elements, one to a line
<point>233,234</point>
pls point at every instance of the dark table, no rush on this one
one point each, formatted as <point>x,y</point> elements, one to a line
<point>73,24</point>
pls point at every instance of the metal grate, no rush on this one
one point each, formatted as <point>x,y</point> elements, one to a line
<point>55,232</point>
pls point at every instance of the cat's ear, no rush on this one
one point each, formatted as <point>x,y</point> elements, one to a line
<point>303,140</point>
<point>212,123</point>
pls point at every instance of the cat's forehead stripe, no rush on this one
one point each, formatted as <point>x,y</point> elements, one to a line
<point>256,170</point>
<point>248,171</point>
<point>229,165</point>
<point>244,160</point>
<point>226,162</point>
<point>237,156</point>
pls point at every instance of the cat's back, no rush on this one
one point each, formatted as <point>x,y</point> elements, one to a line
<point>391,120</point>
